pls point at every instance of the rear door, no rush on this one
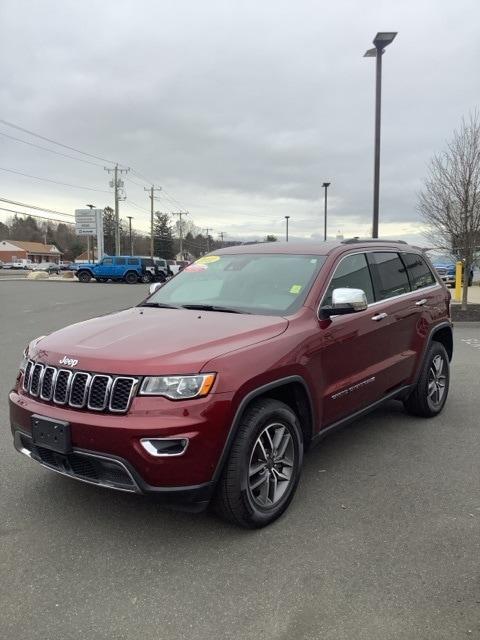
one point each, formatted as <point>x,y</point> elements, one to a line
<point>119,268</point>
<point>396,315</point>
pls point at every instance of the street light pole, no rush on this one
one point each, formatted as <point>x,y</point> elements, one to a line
<point>130,233</point>
<point>286,230</point>
<point>381,40</point>
<point>325,185</point>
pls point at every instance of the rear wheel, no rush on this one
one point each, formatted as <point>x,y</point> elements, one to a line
<point>131,277</point>
<point>84,276</point>
<point>263,469</point>
<point>146,277</point>
<point>430,393</point>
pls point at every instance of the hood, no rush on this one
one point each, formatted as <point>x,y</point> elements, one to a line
<point>143,341</point>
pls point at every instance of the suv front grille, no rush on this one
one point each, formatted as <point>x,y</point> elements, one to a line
<point>79,389</point>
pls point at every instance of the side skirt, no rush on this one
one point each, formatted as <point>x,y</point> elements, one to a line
<point>396,393</point>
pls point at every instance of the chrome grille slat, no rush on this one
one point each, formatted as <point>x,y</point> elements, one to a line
<point>79,389</point>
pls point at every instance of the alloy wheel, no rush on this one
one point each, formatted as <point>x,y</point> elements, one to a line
<point>437,380</point>
<point>271,466</point>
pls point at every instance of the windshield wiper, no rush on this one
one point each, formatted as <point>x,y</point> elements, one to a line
<point>160,305</point>
<point>212,307</point>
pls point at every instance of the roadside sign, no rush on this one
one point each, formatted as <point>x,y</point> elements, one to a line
<point>89,222</point>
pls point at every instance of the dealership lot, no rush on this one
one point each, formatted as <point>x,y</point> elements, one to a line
<point>381,541</point>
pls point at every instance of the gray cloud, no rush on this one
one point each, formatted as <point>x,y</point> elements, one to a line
<point>240,109</point>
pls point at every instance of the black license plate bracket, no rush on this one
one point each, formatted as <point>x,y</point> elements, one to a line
<point>51,434</point>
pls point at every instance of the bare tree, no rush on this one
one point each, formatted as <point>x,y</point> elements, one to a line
<point>450,200</point>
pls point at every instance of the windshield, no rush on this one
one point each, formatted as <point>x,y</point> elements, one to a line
<point>266,284</point>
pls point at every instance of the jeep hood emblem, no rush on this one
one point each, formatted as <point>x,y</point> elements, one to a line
<point>69,362</point>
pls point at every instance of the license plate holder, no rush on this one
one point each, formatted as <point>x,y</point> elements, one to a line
<point>51,434</point>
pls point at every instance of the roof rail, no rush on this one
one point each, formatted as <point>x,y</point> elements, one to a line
<point>363,240</point>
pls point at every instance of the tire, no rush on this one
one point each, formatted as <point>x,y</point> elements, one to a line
<point>131,277</point>
<point>146,277</point>
<point>84,276</point>
<point>161,276</point>
<point>237,499</point>
<point>430,393</point>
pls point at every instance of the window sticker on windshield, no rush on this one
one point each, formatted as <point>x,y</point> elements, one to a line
<point>296,288</point>
<point>195,267</point>
<point>207,260</point>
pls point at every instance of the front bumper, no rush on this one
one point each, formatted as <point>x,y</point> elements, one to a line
<point>106,448</point>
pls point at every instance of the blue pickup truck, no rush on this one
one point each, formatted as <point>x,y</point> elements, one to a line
<point>446,270</point>
<point>131,269</point>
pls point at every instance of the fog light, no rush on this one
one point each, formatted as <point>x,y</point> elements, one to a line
<point>162,447</point>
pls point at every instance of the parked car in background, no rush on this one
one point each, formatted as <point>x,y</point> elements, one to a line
<point>64,266</point>
<point>23,264</point>
<point>215,386</point>
<point>446,268</point>
<point>8,265</point>
<point>49,267</point>
<point>130,269</point>
<point>1,264</point>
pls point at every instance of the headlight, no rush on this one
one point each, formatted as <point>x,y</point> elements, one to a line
<point>178,387</point>
<point>26,352</point>
<point>24,360</point>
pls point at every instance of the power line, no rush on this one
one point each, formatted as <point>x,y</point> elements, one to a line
<point>35,215</point>
<point>58,153</point>
<point>33,206</point>
<point>60,144</point>
<point>64,184</point>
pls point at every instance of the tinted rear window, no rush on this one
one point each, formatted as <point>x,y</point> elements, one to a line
<point>389,275</point>
<point>418,271</point>
<point>132,261</point>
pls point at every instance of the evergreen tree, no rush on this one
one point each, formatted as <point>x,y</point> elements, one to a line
<point>162,236</point>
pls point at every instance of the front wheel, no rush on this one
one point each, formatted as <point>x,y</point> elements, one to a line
<point>263,469</point>
<point>146,277</point>
<point>84,276</point>
<point>430,393</point>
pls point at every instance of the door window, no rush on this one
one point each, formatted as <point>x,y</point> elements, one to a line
<point>352,272</point>
<point>120,262</point>
<point>389,275</point>
<point>418,271</point>
<point>107,261</point>
<point>131,261</point>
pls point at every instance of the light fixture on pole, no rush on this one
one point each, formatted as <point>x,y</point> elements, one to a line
<point>325,185</point>
<point>381,40</point>
<point>286,230</point>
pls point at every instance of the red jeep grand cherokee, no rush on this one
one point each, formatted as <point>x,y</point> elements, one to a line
<point>215,386</point>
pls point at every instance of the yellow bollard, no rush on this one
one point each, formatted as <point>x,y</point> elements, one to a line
<point>458,281</point>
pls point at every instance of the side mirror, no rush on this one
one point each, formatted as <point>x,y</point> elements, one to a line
<point>345,301</point>
<point>155,286</point>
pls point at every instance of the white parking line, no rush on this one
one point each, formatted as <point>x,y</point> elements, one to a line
<point>472,342</point>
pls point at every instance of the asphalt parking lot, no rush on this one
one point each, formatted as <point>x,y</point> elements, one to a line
<point>381,542</point>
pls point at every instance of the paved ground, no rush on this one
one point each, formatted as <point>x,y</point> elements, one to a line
<point>381,542</point>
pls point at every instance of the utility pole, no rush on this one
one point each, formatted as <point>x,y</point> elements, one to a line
<point>152,190</point>
<point>325,185</point>
<point>221,234</point>
<point>180,228</point>
<point>130,233</point>
<point>286,229</point>
<point>117,184</point>
<point>207,231</point>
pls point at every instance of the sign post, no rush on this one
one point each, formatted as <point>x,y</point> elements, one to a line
<point>89,222</point>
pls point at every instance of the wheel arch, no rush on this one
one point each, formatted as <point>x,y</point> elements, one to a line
<point>293,391</point>
<point>444,335</point>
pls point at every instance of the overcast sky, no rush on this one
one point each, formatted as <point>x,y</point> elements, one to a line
<point>240,110</point>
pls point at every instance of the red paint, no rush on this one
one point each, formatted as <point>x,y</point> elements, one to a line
<point>246,352</point>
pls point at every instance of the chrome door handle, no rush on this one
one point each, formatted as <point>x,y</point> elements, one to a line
<point>421,302</point>
<point>379,316</point>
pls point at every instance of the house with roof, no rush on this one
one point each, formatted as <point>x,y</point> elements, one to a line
<point>12,250</point>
